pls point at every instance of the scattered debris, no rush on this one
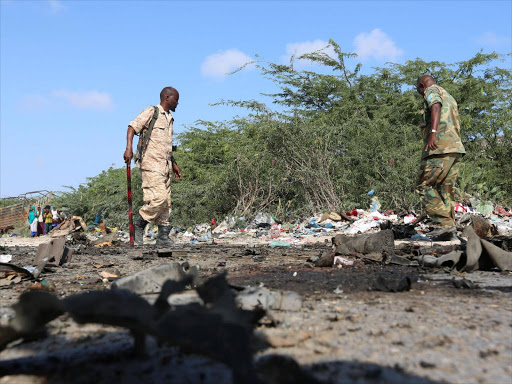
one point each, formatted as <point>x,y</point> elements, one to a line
<point>75,223</point>
<point>375,246</point>
<point>107,275</point>
<point>338,260</point>
<point>55,250</point>
<point>218,329</point>
<point>12,274</point>
<point>338,290</point>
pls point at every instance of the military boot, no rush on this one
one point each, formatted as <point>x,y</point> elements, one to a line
<point>162,240</point>
<point>444,232</point>
<point>140,225</point>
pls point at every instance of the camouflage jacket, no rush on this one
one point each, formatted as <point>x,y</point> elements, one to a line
<point>448,132</point>
<point>159,149</point>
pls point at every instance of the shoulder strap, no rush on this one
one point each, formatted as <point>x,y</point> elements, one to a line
<point>150,129</point>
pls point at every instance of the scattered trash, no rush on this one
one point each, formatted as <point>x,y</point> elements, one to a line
<point>68,226</point>
<point>338,260</point>
<point>279,243</point>
<point>330,216</point>
<point>338,290</point>
<point>408,219</point>
<point>375,205</point>
<point>420,237</point>
<point>263,220</point>
<point>5,258</point>
<point>484,207</point>
<point>42,286</point>
<point>107,275</point>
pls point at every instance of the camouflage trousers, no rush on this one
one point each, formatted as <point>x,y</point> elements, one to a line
<point>436,187</point>
<point>156,190</point>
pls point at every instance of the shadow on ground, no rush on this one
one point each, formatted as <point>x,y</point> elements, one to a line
<point>109,359</point>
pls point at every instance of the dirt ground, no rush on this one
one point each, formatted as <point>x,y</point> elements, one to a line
<point>345,333</point>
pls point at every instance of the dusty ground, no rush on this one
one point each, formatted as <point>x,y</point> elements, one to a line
<point>431,334</point>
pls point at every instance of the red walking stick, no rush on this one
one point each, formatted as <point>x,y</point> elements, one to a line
<point>130,210</point>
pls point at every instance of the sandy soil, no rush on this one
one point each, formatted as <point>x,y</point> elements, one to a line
<point>431,334</point>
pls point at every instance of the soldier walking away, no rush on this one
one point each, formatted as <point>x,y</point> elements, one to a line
<point>155,161</point>
<point>440,159</point>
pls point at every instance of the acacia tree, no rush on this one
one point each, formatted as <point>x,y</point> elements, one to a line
<point>327,137</point>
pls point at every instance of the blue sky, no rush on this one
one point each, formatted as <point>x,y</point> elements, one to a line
<point>74,73</point>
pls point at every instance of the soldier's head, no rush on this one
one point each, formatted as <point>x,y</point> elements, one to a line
<point>169,98</point>
<point>423,83</point>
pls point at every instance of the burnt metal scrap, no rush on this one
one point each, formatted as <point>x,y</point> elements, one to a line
<point>373,246</point>
<point>218,329</point>
<point>473,253</point>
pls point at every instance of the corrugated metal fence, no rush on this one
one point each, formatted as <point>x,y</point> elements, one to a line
<point>15,214</point>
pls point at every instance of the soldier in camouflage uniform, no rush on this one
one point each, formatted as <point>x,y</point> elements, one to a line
<point>156,166</point>
<point>440,159</point>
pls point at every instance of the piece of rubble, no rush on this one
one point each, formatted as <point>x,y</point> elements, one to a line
<point>375,246</point>
<point>251,298</point>
<point>338,260</point>
<point>151,280</point>
<point>473,249</point>
<point>463,283</point>
<point>481,226</point>
<point>502,259</point>
<point>55,250</point>
<point>7,267</point>
<point>449,260</point>
<point>75,223</point>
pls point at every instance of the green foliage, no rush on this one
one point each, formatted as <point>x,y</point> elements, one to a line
<point>335,135</point>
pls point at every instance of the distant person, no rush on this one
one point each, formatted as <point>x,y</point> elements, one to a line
<point>156,164</point>
<point>48,219</point>
<point>55,217</point>
<point>440,159</point>
<point>32,220</point>
<point>40,222</point>
<point>62,215</point>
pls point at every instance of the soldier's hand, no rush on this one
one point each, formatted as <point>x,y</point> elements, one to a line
<point>128,154</point>
<point>431,143</point>
<point>177,171</point>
